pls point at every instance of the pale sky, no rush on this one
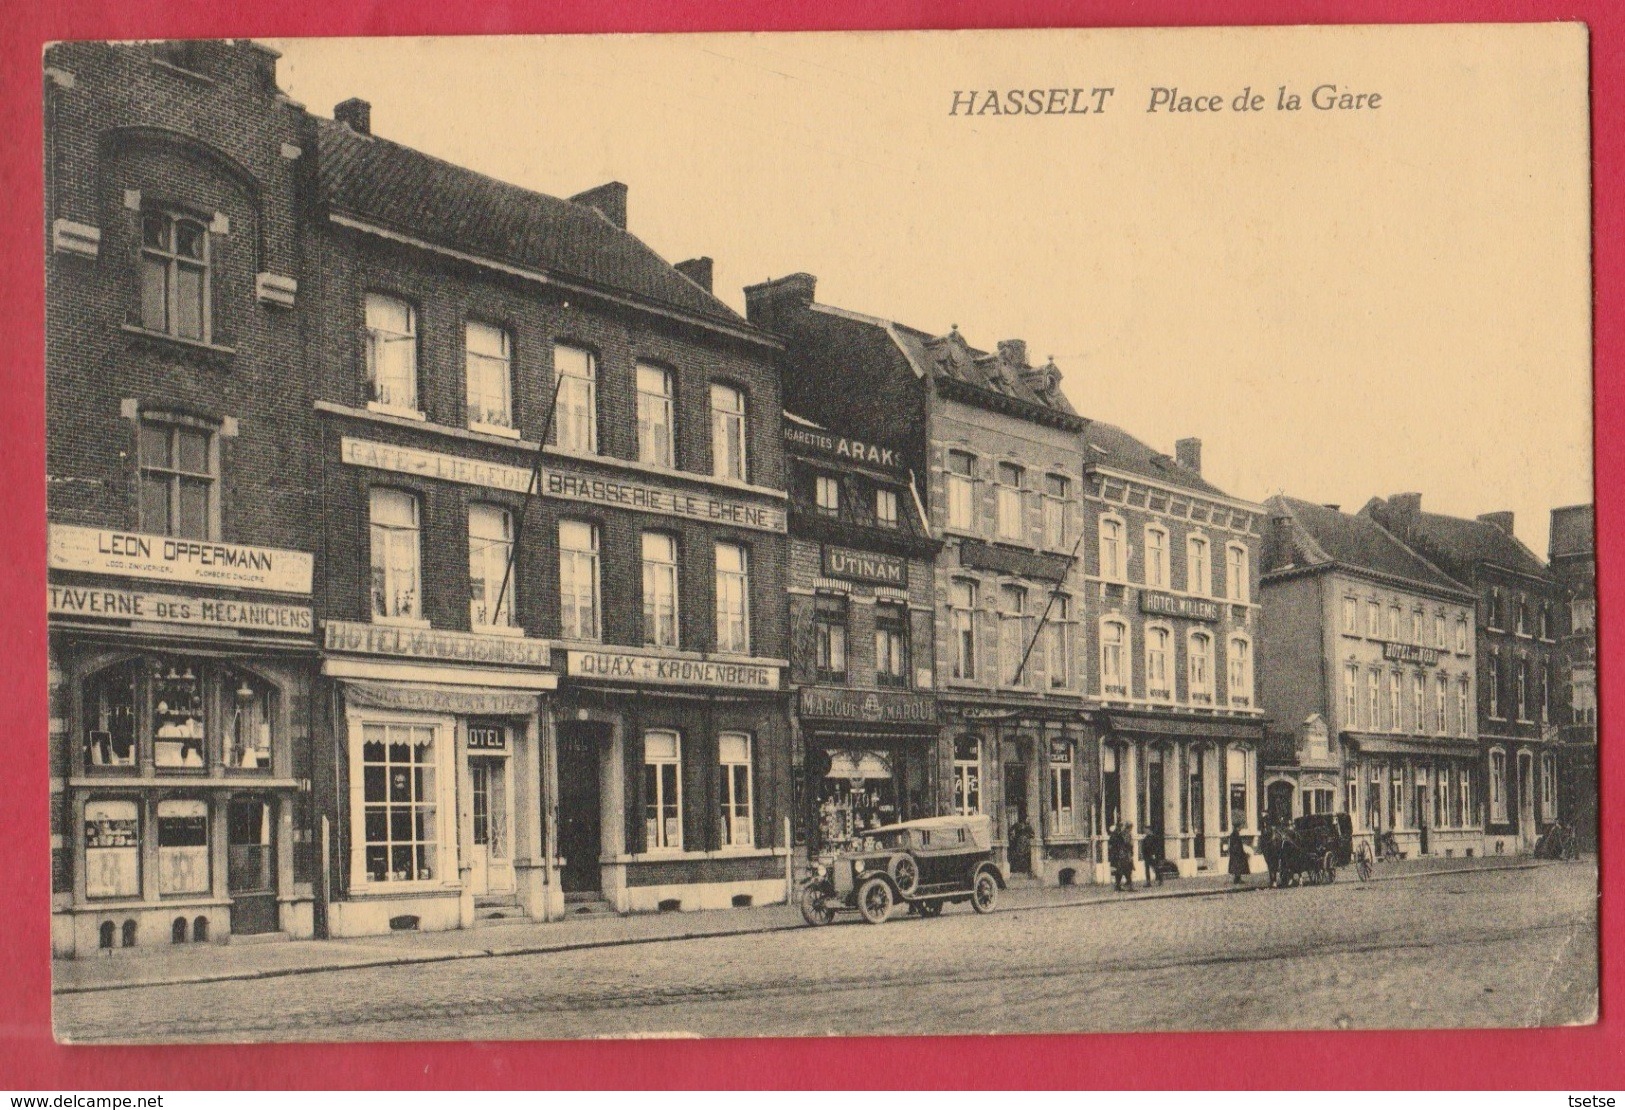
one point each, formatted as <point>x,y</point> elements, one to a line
<point>1339,303</point>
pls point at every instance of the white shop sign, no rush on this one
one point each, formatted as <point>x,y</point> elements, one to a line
<point>143,555</point>
<point>565,485</point>
<point>140,605</point>
<point>635,666</point>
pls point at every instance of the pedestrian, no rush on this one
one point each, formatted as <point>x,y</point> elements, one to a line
<point>1270,841</point>
<point>1238,855</point>
<point>1120,854</point>
<point>1151,852</point>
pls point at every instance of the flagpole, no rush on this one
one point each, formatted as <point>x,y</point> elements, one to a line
<point>530,492</point>
<point>1055,591</point>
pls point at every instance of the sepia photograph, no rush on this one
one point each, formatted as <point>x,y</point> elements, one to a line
<point>820,534</point>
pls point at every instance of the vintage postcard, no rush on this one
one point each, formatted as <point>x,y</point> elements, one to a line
<point>801,534</point>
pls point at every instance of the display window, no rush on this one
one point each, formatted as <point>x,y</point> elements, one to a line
<point>112,849</point>
<point>183,846</point>
<point>401,826</point>
<point>187,712</point>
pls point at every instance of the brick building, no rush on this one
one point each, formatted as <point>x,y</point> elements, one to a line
<point>993,448</point>
<point>181,647</point>
<point>1573,554</point>
<point>1171,605</point>
<point>1367,654</point>
<point>1520,685</point>
<point>862,627</point>
<point>611,726</point>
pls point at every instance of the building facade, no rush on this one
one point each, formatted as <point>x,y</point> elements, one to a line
<point>181,632</point>
<point>993,449</point>
<point>1520,681</point>
<point>1573,555</point>
<point>1171,606</point>
<point>1368,653</point>
<point>512,379</point>
<point>862,627</point>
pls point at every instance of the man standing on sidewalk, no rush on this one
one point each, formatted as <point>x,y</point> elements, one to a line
<point>1238,854</point>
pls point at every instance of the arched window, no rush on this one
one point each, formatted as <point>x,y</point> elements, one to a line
<point>1113,657</point>
<point>1240,652</point>
<point>1200,666</point>
<point>1156,558</point>
<point>1159,662</point>
<point>1198,566</point>
<point>1113,557</point>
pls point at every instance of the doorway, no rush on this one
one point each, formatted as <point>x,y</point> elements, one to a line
<point>1019,832</point>
<point>251,865</point>
<point>1278,801</point>
<point>581,836</point>
<point>489,857</point>
<point>1526,802</point>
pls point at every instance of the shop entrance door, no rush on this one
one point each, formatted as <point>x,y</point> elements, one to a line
<point>581,836</point>
<point>1526,802</point>
<point>490,861</point>
<point>1422,803</point>
<point>1018,830</point>
<point>251,866</point>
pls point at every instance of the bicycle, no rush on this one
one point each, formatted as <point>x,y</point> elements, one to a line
<point>1364,862</point>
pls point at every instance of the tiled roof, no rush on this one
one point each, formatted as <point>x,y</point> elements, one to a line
<point>1324,536</point>
<point>411,193</point>
<point>1109,445</point>
<point>949,356</point>
<point>1466,542</point>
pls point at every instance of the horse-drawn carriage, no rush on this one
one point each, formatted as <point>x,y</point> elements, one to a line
<point>1310,849</point>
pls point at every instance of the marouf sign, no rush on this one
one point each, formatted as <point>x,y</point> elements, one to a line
<point>172,559</point>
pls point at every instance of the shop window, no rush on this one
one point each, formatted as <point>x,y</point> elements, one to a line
<point>886,508</point>
<point>488,366</point>
<point>1057,495</point>
<point>401,829</point>
<point>175,276</point>
<point>662,791</point>
<point>1236,781</point>
<point>112,849</point>
<point>248,736</point>
<point>1062,814</point>
<point>490,551</point>
<point>391,352</point>
<point>656,436</point>
<point>1011,495</point>
<point>962,601</point>
<point>967,775</point>
<point>961,482</point>
<point>578,581</point>
<point>733,599</point>
<point>179,710</point>
<point>737,827</point>
<point>179,479</point>
<point>891,645</point>
<point>110,725</point>
<point>396,574</point>
<point>575,419</point>
<point>659,590</point>
<point>829,636</point>
<point>183,846</point>
<point>727,432</point>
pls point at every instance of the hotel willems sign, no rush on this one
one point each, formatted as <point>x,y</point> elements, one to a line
<point>627,665</point>
<point>215,612</point>
<point>864,566</point>
<point>1171,605</point>
<point>890,707</point>
<point>978,555</point>
<point>142,555</point>
<point>438,644</point>
<point>565,485</point>
<point>840,447</point>
<point>1410,653</point>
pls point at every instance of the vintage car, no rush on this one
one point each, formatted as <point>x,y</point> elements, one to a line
<point>923,864</point>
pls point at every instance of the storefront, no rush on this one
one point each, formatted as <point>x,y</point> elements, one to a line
<point>1420,796</point>
<point>180,725</point>
<point>869,758</point>
<point>672,780</point>
<point>437,778</point>
<point>1185,780</point>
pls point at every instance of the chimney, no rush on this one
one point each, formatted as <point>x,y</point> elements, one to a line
<point>610,200</point>
<point>1188,453</point>
<point>770,304</point>
<point>356,114</point>
<point>1013,352</point>
<point>697,270</point>
<point>1404,508</point>
<point>1501,520</point>
<point>1277,545</point>
<point>1333,507</point>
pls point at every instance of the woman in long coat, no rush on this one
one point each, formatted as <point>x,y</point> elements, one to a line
<point>1238,855</point>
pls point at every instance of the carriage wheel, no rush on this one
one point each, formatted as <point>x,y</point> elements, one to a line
<point>1330,866</point>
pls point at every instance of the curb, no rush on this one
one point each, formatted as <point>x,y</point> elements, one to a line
<point>709,934</point>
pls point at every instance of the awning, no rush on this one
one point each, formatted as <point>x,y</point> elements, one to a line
<point>1193,728</point>
<point>426,697</point>
<point>1407,745</point>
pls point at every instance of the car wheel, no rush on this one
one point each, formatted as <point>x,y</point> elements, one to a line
<point>932,908</point>
<point>984,893</point>
<point>905,872</point>
<point>813,908</point>
<point>875,900</point>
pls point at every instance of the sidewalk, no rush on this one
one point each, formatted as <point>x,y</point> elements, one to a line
<point>214,963</point>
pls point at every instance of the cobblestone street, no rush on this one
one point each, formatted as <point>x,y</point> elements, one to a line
<point>1486,948</point>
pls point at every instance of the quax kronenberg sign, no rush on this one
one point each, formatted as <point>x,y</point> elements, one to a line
<point>671,670</point>
<point>565,485</point>
<point>169,558</point>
